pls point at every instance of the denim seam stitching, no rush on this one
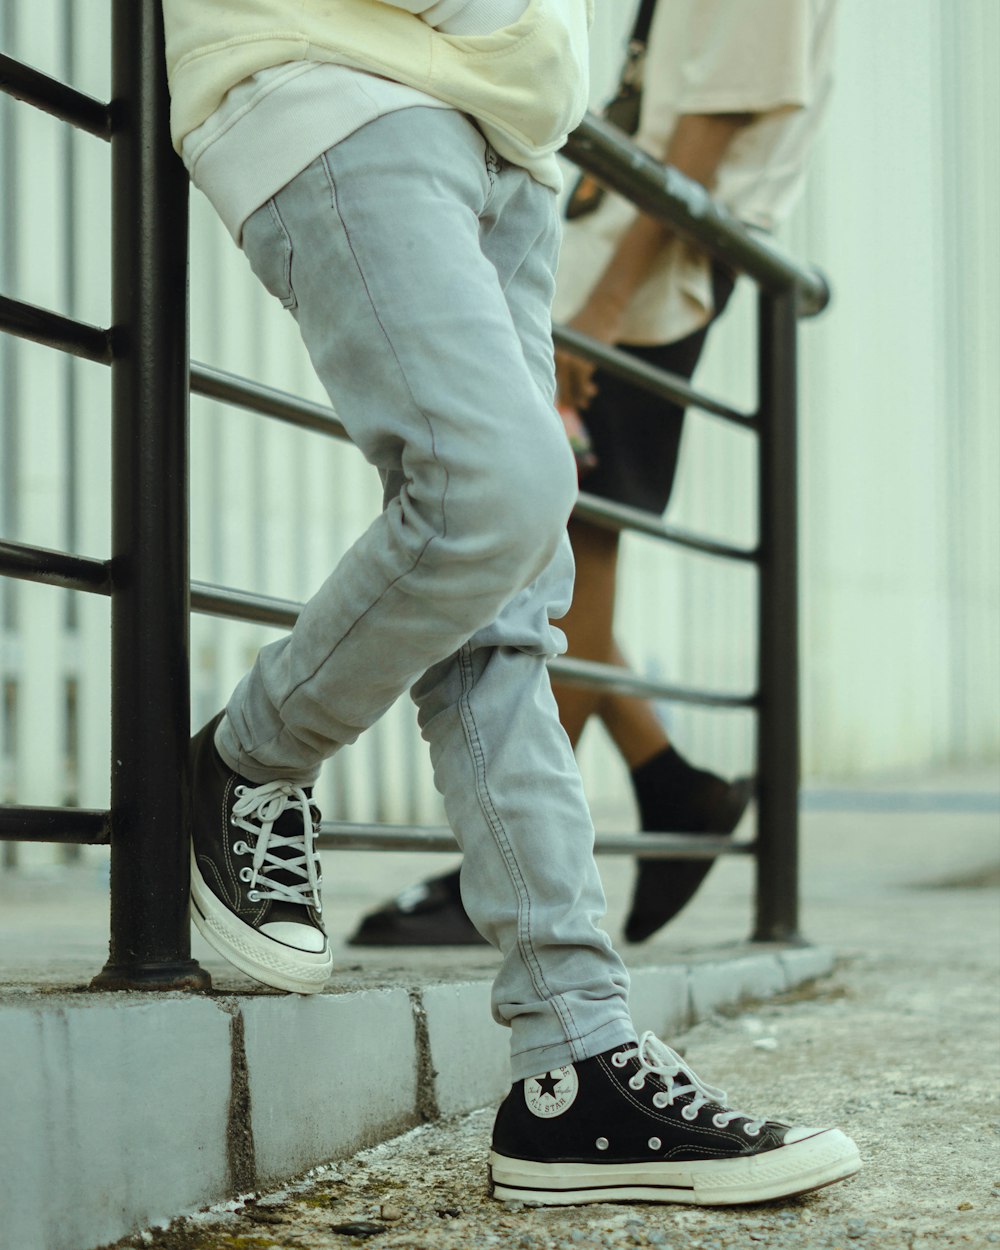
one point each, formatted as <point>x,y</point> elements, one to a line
<point>502,842</point>
<point>579,1039</point>
<point>279,223</point>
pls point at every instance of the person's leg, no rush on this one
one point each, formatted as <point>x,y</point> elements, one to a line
<point>634,727</point>
<point>411,336</point>
<point>528,879</point>
<point>576,1125</point>
<point>379,246</point>
<point>672,795</point>
<point>636,437</point>
<point>501,758</point>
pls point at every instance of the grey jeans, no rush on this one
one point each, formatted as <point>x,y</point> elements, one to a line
<point>419,267</point>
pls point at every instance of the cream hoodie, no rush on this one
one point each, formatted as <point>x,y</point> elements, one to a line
<point>525,85</point>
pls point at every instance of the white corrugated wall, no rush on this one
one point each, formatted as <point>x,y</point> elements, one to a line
<point>900,441</point>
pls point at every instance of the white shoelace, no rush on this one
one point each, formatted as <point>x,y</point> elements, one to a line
<point>256,810</point>
<point>657,1059</point>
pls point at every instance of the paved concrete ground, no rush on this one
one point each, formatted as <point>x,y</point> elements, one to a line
<point>901,1047</point>
<point>909,900</point>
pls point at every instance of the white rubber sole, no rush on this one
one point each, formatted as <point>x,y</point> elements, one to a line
<point>270,962</point>
<point>811,1163</point>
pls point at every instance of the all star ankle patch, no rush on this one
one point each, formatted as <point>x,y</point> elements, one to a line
<point>552,1093</point>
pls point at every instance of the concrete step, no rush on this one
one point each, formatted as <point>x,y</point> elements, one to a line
<point>120,1110</point>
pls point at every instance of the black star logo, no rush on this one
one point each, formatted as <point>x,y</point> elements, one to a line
<point>548,1084</point>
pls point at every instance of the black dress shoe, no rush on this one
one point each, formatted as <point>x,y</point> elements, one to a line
<point>674,797</point>
<point>427,914</point>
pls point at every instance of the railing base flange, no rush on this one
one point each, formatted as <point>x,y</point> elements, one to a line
<point>780,935</point>
<point>186,974</point>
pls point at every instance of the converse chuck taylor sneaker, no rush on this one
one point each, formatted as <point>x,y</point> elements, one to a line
<point>636,1123</point>
<point>255,874</point>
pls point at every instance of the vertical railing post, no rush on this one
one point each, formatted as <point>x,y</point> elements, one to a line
<point>778,724</point>
<point>150,936</point>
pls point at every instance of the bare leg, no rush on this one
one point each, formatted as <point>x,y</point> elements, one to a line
<point>672,796</point>
<point>589,625</point>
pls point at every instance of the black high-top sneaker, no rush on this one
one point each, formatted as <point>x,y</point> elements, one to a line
<point>255,874</point>
<point>636,1123</point>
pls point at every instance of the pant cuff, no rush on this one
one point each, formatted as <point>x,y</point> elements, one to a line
<point>235,758</point>
<point>541,1059</point>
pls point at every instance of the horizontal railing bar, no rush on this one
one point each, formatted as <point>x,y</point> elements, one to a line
<point>267,400</point>
<point>671,845</point>
<point>217,384</point>
<point>54,824</point>
<point>91,828</point>
<point>213,383</point>
<point>619,516</point>
<point>55,568</point>
<point>590,674</point>
<point>30,85</point>
<point>242,605</point>
<point>76,572</point>
<point>647,377</point>
<point>335,835</point>
<point>54,330</point>
<point>666,194</point>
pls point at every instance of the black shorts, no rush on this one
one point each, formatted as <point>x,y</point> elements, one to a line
<point>636,436</point>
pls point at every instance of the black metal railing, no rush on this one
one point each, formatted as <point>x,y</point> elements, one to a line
<point>147,575</point>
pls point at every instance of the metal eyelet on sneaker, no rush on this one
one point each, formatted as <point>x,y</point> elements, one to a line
<point>246,874</point>
<point>637,1082</point>
<point>751,1132</point>
<point>661,1100</point>
<point>654,1143</point>
<point>253,896</point>
<point>602,1143</point>
<point>619,1059</point>
<point>720,1121</point>
<point>688,1113</point>
<point>241,847</point>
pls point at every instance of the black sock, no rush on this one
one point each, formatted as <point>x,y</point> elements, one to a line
<point>673,795</point>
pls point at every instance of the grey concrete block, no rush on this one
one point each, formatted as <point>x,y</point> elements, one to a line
<point>470,1052</point>
<point>718,985</point>
<point>806,963</point>
<point>112,1116</point>
<point>328,1075</point>
<point>659,1000</point>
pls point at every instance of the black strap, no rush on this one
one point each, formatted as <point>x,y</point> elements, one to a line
<point>643,21</point>
<point>622,111</point>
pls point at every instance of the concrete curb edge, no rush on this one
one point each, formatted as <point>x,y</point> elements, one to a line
<point>134,1108</point>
